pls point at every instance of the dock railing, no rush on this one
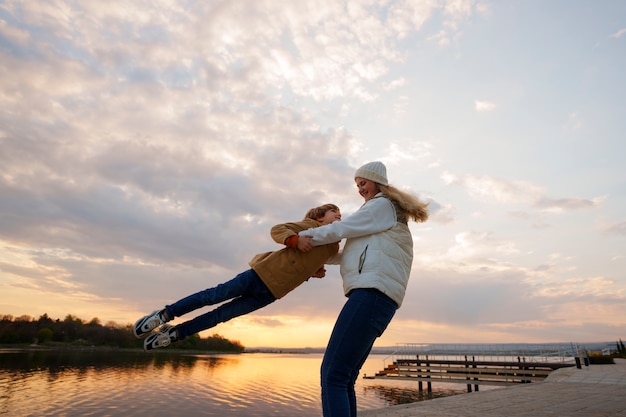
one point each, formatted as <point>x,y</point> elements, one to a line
<point>476,364</point>
<point>530,352</point>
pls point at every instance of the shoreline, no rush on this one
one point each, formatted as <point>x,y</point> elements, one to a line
<point>42,348</point>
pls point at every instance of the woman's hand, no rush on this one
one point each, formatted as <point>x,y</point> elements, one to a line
<point>305,243</point>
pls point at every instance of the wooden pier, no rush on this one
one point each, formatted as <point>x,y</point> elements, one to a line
<point>503,370</point>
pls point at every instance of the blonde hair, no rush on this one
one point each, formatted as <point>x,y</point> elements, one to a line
<point>409,205</point>
<point>317,212</point>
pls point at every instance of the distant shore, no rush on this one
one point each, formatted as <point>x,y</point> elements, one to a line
<point>69,347</point>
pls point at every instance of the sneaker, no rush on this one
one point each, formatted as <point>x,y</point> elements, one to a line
<point>146,324</point>
<point>166,335</point>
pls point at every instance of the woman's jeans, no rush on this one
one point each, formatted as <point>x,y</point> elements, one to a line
<point>247,291</point>
<point>364,317</point>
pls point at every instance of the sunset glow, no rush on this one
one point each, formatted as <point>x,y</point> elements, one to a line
<point>148,147</point>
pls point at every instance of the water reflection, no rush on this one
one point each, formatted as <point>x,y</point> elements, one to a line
<point>394,395</point>
<point>58,360</point>
<point>134,383</point>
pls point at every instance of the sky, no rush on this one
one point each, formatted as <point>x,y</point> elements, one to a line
<point>148,147</point>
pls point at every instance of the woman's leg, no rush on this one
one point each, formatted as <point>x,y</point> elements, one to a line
<point>364,317</point>
<point>247,291</point>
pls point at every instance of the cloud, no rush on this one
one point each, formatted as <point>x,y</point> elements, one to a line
<point>395,84</point>
<point>478,282</point>
<point>442,38</point>
<point>487,188</point>
<point>473,251</point>
<point>536,220</point>
<point>144,149</point>
<point>408,16</point>
<point>401,107</point>
<point>484,106</point>
<point>269,322</point>
<point>581,288</point>
<point>407,149</point>
<point>619,33</point>
<point>568,204</point>
<point>574,121</point>
<point>443,214</point>
<point>459,9</point>
<point>147,148</point>
<point>152,149</point>
<point>616,229</point>
<point>483,9</point>
<point>490,189</point>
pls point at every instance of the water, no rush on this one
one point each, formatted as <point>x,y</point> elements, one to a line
<point>106,383</point>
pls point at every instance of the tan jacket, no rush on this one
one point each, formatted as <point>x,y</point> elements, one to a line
<point>285,269</point>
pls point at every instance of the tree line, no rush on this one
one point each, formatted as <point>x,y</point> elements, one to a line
<point>73,331</point>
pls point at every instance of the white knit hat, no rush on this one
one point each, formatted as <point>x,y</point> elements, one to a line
<point>373,171</point>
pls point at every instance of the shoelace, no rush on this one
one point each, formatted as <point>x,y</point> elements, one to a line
<point>165,336</point>
<point>153,323</point>
<point>163,339</point>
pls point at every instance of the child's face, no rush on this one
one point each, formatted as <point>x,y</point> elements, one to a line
<point>330,216</point>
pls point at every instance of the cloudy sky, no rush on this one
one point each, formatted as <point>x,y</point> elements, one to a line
<point>147,147</point>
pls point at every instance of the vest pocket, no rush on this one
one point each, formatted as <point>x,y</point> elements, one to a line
<point>362,258</point>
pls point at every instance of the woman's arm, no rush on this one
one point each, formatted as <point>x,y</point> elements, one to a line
<point>374,216</point>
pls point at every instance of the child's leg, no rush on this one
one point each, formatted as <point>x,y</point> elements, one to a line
<point>237,307</point>
<point>253,296</point>
<point>244,283</point>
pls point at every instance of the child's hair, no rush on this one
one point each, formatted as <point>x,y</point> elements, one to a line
<point>317,212</point>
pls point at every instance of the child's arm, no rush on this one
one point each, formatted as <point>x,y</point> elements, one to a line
<point>281,232</point>
<point>287,234</point>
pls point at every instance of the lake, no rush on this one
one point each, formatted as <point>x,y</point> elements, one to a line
<point>134,383</point>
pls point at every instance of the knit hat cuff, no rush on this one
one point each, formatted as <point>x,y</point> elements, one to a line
<point>373,171</point>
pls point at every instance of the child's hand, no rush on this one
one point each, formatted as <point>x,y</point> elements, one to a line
<point>305,243</point>
<point>320,273</point>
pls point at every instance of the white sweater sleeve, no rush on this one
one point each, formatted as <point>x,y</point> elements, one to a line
<point>374,216</point>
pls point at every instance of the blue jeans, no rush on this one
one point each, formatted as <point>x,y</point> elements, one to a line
<point>246,291</point>
<point>364,317</point>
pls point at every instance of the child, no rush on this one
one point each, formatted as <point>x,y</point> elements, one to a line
<point>272,276</point>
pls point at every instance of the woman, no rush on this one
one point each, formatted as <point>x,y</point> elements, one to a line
<point>375,267</point>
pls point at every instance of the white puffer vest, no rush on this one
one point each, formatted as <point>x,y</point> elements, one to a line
<point>380,260</point>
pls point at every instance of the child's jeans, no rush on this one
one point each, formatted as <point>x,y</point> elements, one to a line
<point>246,291</point>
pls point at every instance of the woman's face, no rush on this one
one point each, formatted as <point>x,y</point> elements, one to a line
<point>368,189</point>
